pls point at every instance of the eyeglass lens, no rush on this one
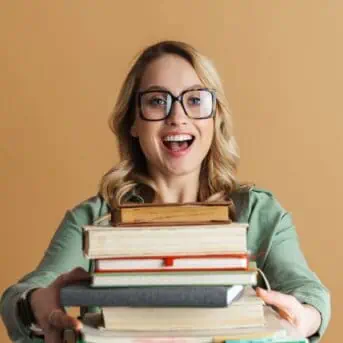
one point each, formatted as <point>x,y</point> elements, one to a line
<point>158,104</point>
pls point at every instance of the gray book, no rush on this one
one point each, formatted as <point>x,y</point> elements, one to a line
<point>154,296</point>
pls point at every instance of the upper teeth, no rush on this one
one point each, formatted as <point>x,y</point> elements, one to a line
<point>177,138</point>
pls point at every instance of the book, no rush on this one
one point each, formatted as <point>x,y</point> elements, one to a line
<point>177,278</point>
<point>174,296</point>
<point>197,212</point>
<point>189,340</point>
<point>275,329</point>
<point>268,340</point>
<point>246,311</point>
<point>178,263</point>
<point>108,241</point>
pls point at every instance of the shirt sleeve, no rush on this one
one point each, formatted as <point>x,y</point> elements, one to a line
<point>63,254</point>
<point>288,272</point>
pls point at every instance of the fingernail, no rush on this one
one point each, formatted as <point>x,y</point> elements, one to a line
<point>286,315</point>
<point>262,291</point>
<point>78,326</point>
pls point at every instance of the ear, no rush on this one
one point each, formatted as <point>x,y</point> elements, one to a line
<point>133,130</point>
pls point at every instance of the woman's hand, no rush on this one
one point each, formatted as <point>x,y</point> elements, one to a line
<point>304,317</point>
<point>46,307</point>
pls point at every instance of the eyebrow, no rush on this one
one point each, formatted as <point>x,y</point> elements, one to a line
<point>156,87</point>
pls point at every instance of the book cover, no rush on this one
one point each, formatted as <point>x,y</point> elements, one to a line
<point>165,213</point>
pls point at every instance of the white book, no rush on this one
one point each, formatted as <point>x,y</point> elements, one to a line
<point>175,278</point>
<point>105,242</point>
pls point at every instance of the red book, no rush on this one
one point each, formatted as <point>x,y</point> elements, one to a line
<point>173,263</point>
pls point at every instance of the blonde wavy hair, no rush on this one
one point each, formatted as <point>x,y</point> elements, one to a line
<point>217,176</point>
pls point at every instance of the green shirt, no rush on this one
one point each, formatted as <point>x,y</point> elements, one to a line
<point>271,238</point>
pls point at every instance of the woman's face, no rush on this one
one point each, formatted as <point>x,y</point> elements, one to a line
<point>176,145</point>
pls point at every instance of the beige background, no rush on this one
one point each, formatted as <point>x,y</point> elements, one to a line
<point>61,65</point>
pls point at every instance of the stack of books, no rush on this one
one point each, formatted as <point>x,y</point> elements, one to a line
<point>276,330</point>
<point>171,270</point>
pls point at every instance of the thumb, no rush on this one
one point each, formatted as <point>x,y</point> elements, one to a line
<point>61,320</point>
<point>77,274</point>
<point>273,298</point>
<point>284,303</point>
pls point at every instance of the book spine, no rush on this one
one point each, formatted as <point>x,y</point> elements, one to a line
<point>140,214</point>
<point>150,296</point>
<point>157,223</point>
<point>168,263</point>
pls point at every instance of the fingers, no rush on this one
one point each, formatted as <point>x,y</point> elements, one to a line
<point>286,304</point>
<point>53,336</point>
<point>56,336</point>
<point>58,319</point>
<point>75,275</point>
<point>55,324</point>
<point>277,299</point>
<point>45,303</point>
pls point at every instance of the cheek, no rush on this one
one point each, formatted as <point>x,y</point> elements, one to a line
<point>211,130</point>
<point>144,129</point>
<point>207,130</point>
<point>148,135</point>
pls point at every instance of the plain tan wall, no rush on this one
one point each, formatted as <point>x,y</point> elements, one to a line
<point>62,63</point>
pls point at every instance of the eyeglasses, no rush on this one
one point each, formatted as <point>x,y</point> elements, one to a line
<point>157,105</point>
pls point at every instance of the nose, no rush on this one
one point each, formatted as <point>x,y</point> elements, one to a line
<point>177,115</point>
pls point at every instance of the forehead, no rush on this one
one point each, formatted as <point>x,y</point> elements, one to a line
<point>171,72</point>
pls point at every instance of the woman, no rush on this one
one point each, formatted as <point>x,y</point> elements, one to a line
<point>176,145</point>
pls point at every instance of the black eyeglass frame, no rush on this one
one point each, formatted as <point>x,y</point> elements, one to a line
<point>178,98</point>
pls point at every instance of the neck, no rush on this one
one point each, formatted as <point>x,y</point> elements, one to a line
<point>178,189</point>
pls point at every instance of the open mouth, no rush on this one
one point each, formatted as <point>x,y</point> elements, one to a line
<point>178,142</point>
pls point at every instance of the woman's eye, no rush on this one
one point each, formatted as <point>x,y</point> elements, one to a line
<point>194,101</point>
<point>157,102</point>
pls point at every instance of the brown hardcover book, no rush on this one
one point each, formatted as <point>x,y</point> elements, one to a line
<point>186,213</point>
